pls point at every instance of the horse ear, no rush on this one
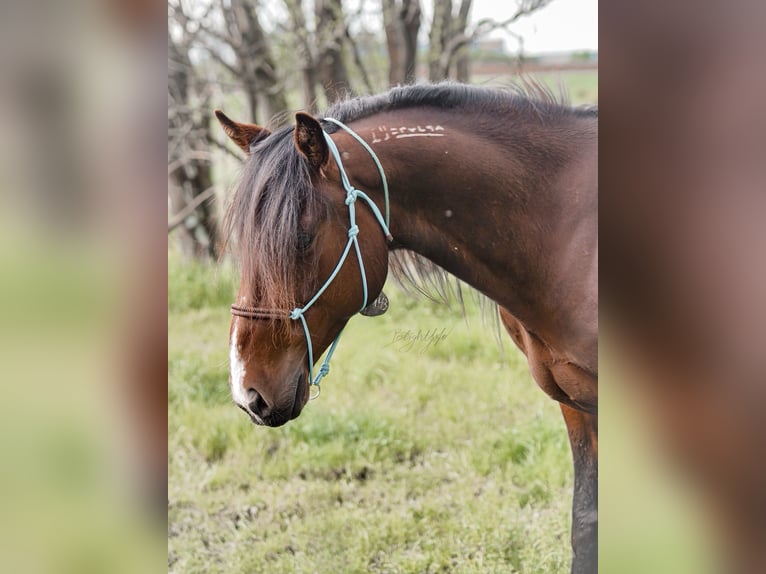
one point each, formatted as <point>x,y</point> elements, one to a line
<point>241,134</point>
<point>377,307</point>
<point>309,139</point>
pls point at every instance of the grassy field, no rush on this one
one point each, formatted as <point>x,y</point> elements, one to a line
<point>441,457</point>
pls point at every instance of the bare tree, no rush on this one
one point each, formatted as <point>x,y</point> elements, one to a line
<point>325,50</point>
<point>209,41</point>
<point>462,70</point>
<point>242,47</point>
<point>300,31</point>
<point>438,38</point>
<point>189,175</point>
<point>450,34</point>
<point>401,20</point>
<point>331,35</point>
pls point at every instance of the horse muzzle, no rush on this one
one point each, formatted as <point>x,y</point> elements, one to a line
<point>278,412</point>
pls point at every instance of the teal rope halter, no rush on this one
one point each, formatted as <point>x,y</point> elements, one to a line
<point>352,194</point>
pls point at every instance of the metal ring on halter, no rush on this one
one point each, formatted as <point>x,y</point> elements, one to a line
<point>313,395</point>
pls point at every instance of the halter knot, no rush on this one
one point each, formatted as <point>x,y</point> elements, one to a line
<point>296,313</point>
<point>351,195</point>
<point>353,231</point>
<point>323,370</point>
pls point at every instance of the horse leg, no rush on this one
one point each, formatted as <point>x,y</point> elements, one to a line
<point>575,390</point>
<point>583,438</point>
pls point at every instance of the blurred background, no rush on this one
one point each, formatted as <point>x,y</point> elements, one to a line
<point>98,261</point>
<point>682,282</point>
<point>82,286</point>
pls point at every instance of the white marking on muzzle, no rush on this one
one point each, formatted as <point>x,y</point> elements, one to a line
<point>237,370</point>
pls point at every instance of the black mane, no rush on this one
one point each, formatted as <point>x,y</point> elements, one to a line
<point>529,96</point>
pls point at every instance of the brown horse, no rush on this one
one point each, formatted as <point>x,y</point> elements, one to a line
<point>495,187</point>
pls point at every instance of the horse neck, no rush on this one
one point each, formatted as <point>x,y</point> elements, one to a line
<point>499,209</point>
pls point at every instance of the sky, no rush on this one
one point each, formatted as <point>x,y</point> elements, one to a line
<point>563,25</point>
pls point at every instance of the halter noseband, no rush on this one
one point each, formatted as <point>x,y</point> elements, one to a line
<point>351,196</point>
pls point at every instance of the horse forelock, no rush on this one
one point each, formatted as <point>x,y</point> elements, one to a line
<point>263,221</point>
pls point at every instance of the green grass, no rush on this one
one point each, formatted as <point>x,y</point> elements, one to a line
<point>440,458</point>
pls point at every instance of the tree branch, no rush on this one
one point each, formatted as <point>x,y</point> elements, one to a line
<point>202,155</point>
<point>487,25</point>
<point>359,63</point>
<point>227,149</point>
<point>189,208</point>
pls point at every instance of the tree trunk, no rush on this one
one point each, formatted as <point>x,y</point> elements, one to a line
<point>449,42</point>
<point>189,135</point>
<point>198,235</point>
<point>308,72</point>
<point>309,90</point>
<point>331,32</point>
<point>412,17</point>
<point>438,66</point>
<point>402,23</point>
<point>251,95</point>
<point>256,65</point>
<point>394,28</point>
<point>462,60</point>
<point>463,66</point>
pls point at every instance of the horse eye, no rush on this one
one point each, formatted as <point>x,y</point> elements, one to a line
<point>304,241</point>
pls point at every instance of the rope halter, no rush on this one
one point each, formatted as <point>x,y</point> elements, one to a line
<point>352,194</point>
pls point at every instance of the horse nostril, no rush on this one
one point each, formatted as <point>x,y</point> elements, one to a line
<point>257,405</point>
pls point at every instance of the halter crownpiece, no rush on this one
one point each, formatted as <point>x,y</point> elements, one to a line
<point>377,307</point>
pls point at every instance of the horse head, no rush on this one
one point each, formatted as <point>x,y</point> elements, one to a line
<point>311,257</point>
